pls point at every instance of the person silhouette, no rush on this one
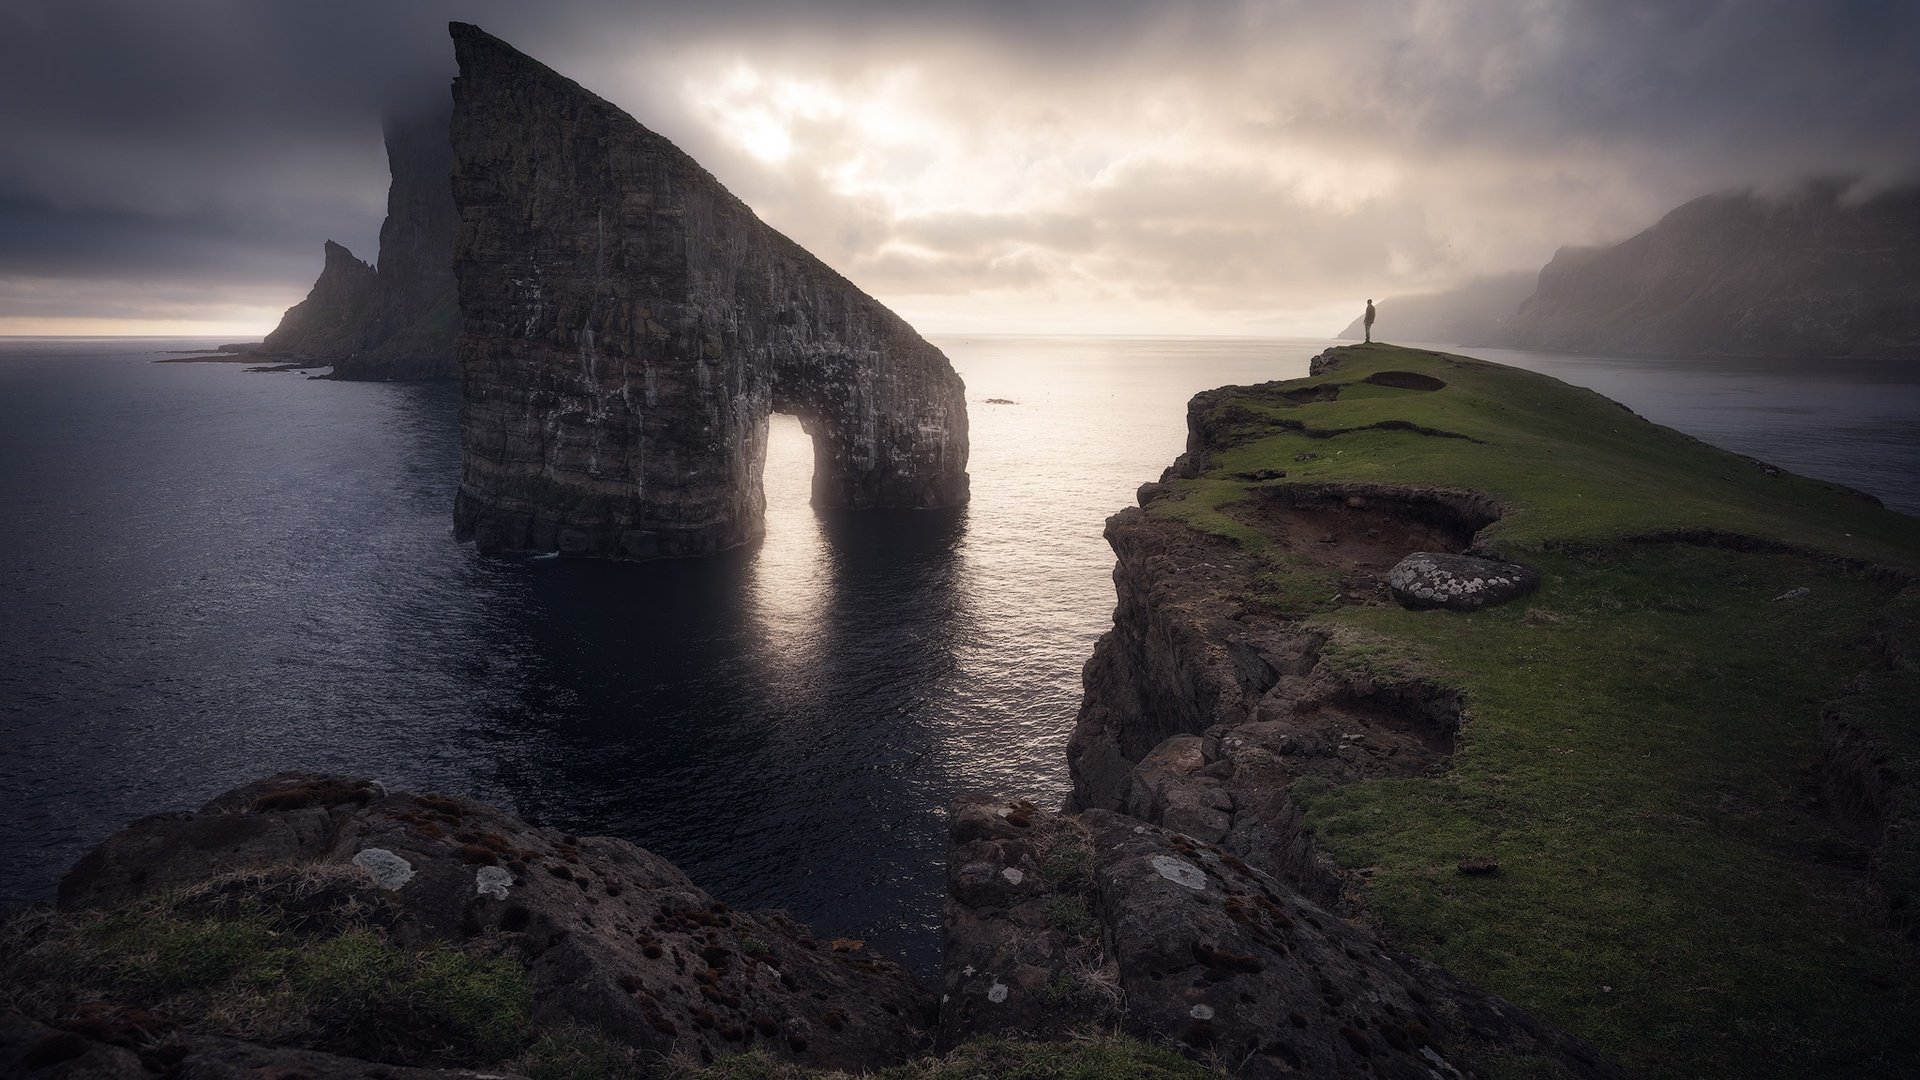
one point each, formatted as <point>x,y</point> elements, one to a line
<point>1367,321</point>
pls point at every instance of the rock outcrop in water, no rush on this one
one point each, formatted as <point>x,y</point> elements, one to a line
<point>402,320</point>
<point>332,321</point>
<point>629,326</point>
<point>1807,275</point>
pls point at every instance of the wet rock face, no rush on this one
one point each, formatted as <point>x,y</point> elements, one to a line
<point>402,320</point>
<point>1429,579</point>
<point>612,935</point>
<point>629,326</point>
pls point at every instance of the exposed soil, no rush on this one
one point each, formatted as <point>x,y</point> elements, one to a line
<point>1406,380</point>
<point>1362,532</point>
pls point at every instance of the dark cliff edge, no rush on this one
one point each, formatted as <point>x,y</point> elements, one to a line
<point>629,325</point>
<point>1643,792</point>
<point>400,321</point>
<point>1811,274</point>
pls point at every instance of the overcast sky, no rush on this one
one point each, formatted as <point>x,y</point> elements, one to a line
<point>1089,166</point>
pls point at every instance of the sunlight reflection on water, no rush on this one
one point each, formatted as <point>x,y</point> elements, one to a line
<point>214,575</point>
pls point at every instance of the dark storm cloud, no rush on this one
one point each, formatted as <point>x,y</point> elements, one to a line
<point>1212,155</point>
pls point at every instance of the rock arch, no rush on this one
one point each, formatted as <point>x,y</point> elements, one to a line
<point>629,325</point>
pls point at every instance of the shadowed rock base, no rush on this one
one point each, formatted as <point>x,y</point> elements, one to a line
<point>629,327</point>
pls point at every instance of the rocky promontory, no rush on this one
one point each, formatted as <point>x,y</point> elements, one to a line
<point>630,325</point>
<point>402,320</point>
<point>331,323</point>
<point>1640,779</point>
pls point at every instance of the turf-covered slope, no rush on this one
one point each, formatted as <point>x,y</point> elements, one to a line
<point>1568,465</point>
<point>1663,801</point>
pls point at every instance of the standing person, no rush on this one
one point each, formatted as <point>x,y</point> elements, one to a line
<point>1368,321</point>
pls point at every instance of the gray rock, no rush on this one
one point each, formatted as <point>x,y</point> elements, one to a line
<point>1188,944</point>
<point>1430,579</point>
<point>492,881</point>
<point>1245,969</point>
<point>629,326</point>
<point>612,935</point>
<point>389,871</point>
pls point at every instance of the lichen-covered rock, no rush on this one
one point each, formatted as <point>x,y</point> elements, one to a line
<point>1020,945</point>
<point>630,325</point>
<point>612,935</point>
<point>1189,944</point>
<point>1432,579</point>
<point>1231,962</point>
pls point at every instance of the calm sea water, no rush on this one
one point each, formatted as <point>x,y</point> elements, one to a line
<point>211,575</point>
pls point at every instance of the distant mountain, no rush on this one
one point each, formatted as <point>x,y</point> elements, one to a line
<point>1739,274</point>
<point>401,321</point>
<point>1464,315</point>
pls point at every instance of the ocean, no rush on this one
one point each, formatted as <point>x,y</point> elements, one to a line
<point>212,575</point>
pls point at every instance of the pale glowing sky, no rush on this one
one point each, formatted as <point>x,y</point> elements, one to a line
<point>1117,166</point>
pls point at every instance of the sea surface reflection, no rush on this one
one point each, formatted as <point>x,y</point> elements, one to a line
<point>213,575</point>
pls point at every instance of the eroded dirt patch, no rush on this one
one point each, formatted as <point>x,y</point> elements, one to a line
<point>1406,380</point>
<point>1360,533</point>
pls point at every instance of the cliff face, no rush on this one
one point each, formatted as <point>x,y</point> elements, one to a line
<point>1741,275</point>
<point>405,317</point>
<point>331,322</point>
<point>629,325</point>
<point>1273,711</point>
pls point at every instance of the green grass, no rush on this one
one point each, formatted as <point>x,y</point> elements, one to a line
<point>1570,464</point>
<point>1642,735</point>
<point>207,962</point>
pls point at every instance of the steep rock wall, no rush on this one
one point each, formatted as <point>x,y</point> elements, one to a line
<point>629,326</point>
<point>332,321</point>
<point>403,319</point>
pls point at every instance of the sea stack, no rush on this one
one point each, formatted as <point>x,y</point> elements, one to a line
<point>629,325</point>
<point>402,320</point>
<point>332,321</point>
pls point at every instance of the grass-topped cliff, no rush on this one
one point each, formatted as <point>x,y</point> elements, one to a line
<point>1672,816</point>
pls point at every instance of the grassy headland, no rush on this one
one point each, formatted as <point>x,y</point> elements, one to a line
<point>1682,876</point>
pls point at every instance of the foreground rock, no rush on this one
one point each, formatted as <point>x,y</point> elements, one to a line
<point>1053,922</point>
<point>84,1051</point>
<point>402,320</point>
<point>612,937</point>
<point>629,326</point>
